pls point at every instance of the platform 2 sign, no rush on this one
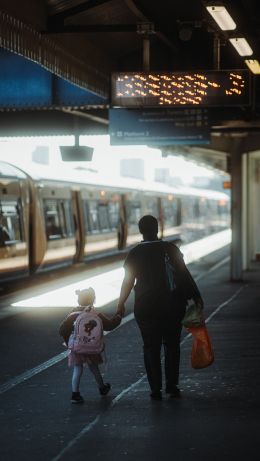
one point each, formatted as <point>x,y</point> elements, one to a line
<point>215,88</point>
<point>159,127</point>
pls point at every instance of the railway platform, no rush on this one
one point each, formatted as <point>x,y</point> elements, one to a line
<point>217,417</point>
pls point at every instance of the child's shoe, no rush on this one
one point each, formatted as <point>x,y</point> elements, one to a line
<point>104,390</point>
<point>76,398</point>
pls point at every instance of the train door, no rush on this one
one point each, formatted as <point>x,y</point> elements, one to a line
<point>59,226</point>
<point>101,221</point>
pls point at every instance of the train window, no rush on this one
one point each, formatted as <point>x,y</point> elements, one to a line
<point>67,212</point>
<point>52,220</point>
<point>103,217</point>
<point>10,223</point>
<point>178,211</point>
<point>58,219</point>
<point>133,213</point>
<point>222,207</point>
<point>152,206</point>
<point>167,213</point>
<point>186,210</point>
<point>113,209</point>
<point>196,208</point>
<point>172,211</point>
<point>91,215</point>
<point>87,217</point>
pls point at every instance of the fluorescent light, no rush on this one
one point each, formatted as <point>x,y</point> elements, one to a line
<point>241,46</point>
<point>222,17</point>
<point>253,65</point>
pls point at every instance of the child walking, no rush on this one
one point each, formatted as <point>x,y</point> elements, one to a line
<point>82,331</point>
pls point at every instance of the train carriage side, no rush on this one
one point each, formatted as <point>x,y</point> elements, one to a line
<point>87,220</point>
<point>59,222</point>
<point>14,222</point>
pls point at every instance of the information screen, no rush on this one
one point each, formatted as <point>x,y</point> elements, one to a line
<point>207,88</point>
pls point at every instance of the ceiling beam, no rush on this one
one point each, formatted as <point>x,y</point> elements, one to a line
<point>77,9</point>
<point>136,9</point>
<point>57,28</point>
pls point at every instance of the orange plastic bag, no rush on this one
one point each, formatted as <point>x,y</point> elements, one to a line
<point>202,354</point>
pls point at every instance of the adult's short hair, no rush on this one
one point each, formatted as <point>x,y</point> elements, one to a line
<point>148,224</point>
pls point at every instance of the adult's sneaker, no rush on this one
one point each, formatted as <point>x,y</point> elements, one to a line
<point>174,392</point>
<point>76,398</point>
<point>156,395</point>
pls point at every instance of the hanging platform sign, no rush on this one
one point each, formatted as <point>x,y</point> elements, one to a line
<point>159,127</point>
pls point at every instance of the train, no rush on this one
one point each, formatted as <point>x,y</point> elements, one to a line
<point>47,222</point>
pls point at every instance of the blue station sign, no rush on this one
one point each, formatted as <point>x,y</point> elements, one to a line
<point>159,127</point>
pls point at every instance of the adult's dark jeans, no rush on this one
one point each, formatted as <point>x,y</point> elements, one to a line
<point>159,319</point>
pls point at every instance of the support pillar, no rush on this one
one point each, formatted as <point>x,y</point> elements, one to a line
<point>146,53</point>
<point>216,52</point>
<point>236,267</point>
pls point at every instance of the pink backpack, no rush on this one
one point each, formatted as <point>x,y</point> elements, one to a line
<point>87,337</point>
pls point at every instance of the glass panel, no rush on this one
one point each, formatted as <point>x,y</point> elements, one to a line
<point>171,211</point>
<point>103,217</point>
<point>87,220</point>
<point>92,216</point>
<point>10,223</point>
<point>152,207</point>
<point>133,213</point>
<point>54,221</point>
<point>70,225</point>
<point>196,208</point>
<point>58,219</point>
<point>113,214</point>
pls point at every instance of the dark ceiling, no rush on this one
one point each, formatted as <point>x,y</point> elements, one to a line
<point>97,37</point>
<point>183,37</point>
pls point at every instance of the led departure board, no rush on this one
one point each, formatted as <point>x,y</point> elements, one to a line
<point>207,88</point>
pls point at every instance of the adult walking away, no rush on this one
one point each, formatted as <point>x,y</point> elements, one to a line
<point>158,308</point>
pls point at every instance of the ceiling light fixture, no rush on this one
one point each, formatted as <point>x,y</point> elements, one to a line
<point>242,46</point>
<point>253,65</point>
<point>222,17</point>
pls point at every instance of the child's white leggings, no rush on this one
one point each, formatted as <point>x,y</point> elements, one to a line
<point>77,373</point>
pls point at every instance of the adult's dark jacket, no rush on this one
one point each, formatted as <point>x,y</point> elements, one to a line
<point>146,261</point>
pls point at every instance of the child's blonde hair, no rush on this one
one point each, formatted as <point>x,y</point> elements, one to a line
<point>86,297</point>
